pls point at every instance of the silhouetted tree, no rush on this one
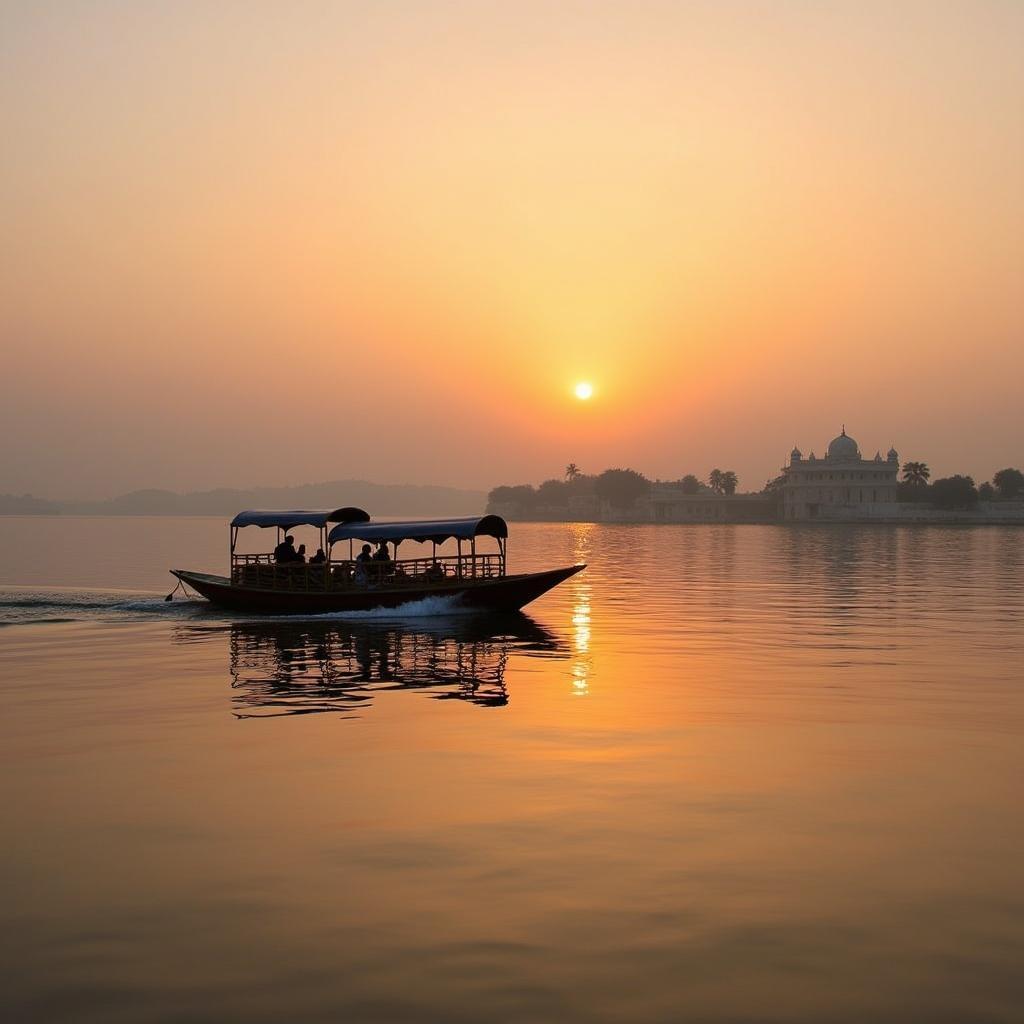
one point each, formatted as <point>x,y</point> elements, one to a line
<point>621,487</point>
<point>572,471</point>
<point>1010,483</point>
<point>953,492</point>
<point>723,482</point>
<point>916,472</point>
<point>523,497</point>
<point>912,492</point>
<point>553,492</point>
<point>689,484</point>
<point>582,484</point>
<point>986,492</point>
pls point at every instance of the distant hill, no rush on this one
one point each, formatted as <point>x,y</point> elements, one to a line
<point>378,499</point>
<point>26,505</point>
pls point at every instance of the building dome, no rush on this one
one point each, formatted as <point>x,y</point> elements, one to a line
<point>843,447</point>
<point>893,455</point>
<point>795,455</point>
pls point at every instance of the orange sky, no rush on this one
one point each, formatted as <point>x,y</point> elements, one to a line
<point>253,243</point>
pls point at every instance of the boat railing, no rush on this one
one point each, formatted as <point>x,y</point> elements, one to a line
<point>261,571</point>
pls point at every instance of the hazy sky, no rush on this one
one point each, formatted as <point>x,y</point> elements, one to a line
<point>273,243</point>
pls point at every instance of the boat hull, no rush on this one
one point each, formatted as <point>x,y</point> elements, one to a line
<point>504,594</point>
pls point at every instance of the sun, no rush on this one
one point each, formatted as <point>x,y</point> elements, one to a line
<point>584,390</point>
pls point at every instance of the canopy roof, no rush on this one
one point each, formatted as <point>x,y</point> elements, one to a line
<point>436,530</point>
<point>286,519</point>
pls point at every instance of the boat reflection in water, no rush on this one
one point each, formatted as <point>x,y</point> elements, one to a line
<point>309,667</point>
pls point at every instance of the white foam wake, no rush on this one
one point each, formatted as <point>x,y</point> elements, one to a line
<point>448,605</point>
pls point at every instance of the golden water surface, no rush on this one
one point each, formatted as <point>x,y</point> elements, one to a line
<point>726,774</point>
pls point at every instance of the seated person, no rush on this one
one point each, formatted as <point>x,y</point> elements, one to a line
<point>285,551</point>
<point>382,564</point>
<point>435,572</point>
<point>319,558</point>
<point>300,555</point>
<point>363,562</point>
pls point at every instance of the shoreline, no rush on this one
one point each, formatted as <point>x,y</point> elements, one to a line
<point>951,521</point>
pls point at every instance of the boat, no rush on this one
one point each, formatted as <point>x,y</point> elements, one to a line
<point>469,578</point>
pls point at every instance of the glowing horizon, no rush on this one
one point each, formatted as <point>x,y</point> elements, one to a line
<point>377,242</point>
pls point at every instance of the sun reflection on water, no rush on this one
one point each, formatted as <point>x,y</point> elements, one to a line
<point>582,661</point>
<point>581,642</point>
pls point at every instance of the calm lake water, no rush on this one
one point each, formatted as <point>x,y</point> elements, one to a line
<point>727,774</point>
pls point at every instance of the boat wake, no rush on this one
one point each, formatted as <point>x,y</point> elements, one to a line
<point>29,608</point>
<point>43,607</point>
<point>424,607</point>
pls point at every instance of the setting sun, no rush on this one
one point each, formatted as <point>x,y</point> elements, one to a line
<point>584,390</point>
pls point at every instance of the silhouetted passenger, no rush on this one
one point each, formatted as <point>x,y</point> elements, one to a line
<point>382,554</point>
<point>364,560</point>
<point>285,551</point>
<point>300,555</point>
<point>319,558</point>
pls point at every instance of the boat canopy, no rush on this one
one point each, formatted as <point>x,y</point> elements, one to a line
<point>435,530</point>
<point>286,519</point>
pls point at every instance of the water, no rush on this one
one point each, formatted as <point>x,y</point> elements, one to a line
<point>727,774</point>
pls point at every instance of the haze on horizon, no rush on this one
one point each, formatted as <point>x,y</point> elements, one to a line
<point>277,243</point>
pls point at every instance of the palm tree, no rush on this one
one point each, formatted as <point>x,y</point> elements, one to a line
<point>572,471</point>
<point>916,472</point>
<point>729,482</point>
<point>715,481</point>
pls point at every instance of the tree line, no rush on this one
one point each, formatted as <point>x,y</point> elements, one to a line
<point>622,487</point>
<point>619,487</point>
<point>959,490</point>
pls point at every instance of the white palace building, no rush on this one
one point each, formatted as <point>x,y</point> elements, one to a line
<point>842,485</point>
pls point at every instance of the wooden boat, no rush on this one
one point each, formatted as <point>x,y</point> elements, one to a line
<point>467,579</point>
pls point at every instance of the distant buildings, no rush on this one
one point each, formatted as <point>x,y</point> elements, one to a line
<point>842,485</point>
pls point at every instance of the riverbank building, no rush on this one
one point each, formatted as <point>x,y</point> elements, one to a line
<point>842,485</point>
